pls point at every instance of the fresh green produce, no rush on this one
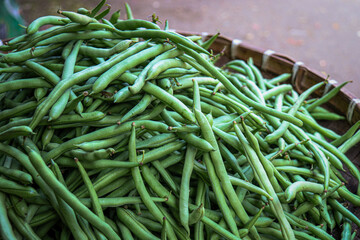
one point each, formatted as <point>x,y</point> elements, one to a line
<point>117,129</point>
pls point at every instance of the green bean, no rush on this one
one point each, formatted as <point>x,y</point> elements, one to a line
<point>17,175</point>
<point>184,188</point>
<point>339,207</point>
<point>78,77</point>
<point>277,90</point>
<point>318,154</point>
<point>139,184</point>
<point>188,82</point>
<point>67,49</point>
<point>24,83</point>
<point>162,151</point>
<point>98,52</point>
<point>298,186</point>
<point>327,116</point>
<point>166,176</point>
<point>223,232</point>
<point>220,195</point>
<point>24,228</point>
<point>140,80</point>
<point>118,201</point>
<point>246,67</point>
<point>350,142</point>
<point>240,108</point>
<point>281,78</point>
<point>163,229</point>
<point>231,160</point>
<point>353,235</point>
<point>41,21</point>
<point>90,156</point>
<point>153,33</point>
<point>148,223</point>
<point>99,144</point>
<point>66,211</point>
<point>326,97</point>
<point>346,232</point>
<point>192,62</point>
<point>343,192</point>
<point>207,108</point>
<point>314,125</point>
<point>132,24</point>
<point>258,76</point>
<point>68,197</point>
<point>267,165</point>
<point>265,183</point>
<point>12,69</point>
<point>105,133</point>
<point>96,9</point>
<point>59,67</point>
<point>42,218</point>
<point>78,18</point>
<point>24,55</point>
<point>87,229</point>
<point>283,127</point>
<point>127,218</point>
<point>105,79</point>
<point>337,142</point>
<point>196,215</point>
<point>125,232</point>
<point>75,103</point>
<point>128,11</point>
<point>220,169</point>
<point>114,17</point>
<point>248,101</point>
<point>353,169</point>
<point>255,91</point>
<point>74,118</point>
<point>163,65</point>
<point>19,110</point>
<point>24,160</point>
<point>12,187</point>
<point>163,96</point>
<point>101,163</point>
<point>207,44</point>
<point>156,141</point>
<point>139,108</point>
<point>59,106</point>
<point>312,228</point>
<point>236,68</point>
<point>5,226</point>
<point>249,186</point>
<point>93,196</point>
<point>178,72</point>
<point>39,93</point>
<point>44,229</point>
<point>118,183</point>
<point>103,13</point>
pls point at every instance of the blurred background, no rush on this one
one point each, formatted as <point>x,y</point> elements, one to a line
<point>324,34</point>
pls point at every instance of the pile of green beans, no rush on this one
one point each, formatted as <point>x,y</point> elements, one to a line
<point>117,129</point>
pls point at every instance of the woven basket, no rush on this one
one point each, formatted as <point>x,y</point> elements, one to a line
<point>272,64</point>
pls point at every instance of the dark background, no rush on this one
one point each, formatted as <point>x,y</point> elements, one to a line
<point>324,34</point>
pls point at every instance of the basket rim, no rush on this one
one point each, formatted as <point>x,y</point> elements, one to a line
<point>277,63</point>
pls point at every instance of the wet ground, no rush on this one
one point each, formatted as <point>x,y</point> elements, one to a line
<point>324,34</point>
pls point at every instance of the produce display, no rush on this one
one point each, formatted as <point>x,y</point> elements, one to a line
<point>118,129</point>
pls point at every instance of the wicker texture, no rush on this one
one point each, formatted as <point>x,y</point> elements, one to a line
<point>303,77</point>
